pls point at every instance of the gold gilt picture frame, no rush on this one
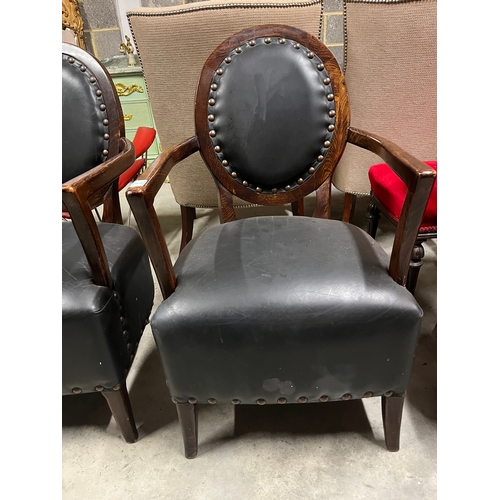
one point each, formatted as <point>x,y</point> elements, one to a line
<point>72,19</point>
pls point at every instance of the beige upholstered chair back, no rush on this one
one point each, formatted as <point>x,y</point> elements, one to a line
<point>173,43</point>
<point>391,79</point>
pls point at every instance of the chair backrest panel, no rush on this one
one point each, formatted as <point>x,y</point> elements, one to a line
<point>92,120</point>
<point>271,114</point>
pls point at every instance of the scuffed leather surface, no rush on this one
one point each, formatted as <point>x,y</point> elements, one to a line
<point>94,348</point>
<point>82,122</point>
<point>271,113</point>
<point>274,307</point>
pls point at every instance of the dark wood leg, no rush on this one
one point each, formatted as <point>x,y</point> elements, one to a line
<point>373,216</point>
<point>119,404</point>
<point>349,206</point>
<point>323,200</point>
<point>415,264</point>
<point>298,207</point>
<point>188,418</point>
<point>188,215</point>
<point>392,412</point>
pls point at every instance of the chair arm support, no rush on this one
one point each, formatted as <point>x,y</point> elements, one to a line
<point>82,193</point>
<point>418,178</point>
<point>141,195</point>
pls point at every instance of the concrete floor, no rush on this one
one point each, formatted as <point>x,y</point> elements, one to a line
<point>332,450</point>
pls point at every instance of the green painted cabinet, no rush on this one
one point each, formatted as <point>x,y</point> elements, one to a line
<point>129,83</point>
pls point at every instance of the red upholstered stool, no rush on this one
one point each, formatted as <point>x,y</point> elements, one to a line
<point>388,195</point>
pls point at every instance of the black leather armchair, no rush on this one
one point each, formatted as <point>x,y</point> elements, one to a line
<point>107,285</point>
<point>281,310</point>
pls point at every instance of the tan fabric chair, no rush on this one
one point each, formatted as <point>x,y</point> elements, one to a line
<point>173,43</point>
<point>390,51</point>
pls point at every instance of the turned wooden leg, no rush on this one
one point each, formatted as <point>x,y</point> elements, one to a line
<point>119,404</point>
<point>392,412</point>
<point>349,206</point>
<point>415,264</point>
<point>188,418</point>
<point>373,216</point>
<point>188,215</point>
<point>298,207</point>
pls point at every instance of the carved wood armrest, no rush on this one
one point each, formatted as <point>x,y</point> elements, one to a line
<point>82,193</point>
<point>141,195</point>
<point>418,178</point>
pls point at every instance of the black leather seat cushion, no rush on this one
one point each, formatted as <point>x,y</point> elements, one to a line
<point>101,327</point>
<point>290,307</point>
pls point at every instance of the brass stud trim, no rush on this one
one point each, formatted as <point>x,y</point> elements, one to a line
<point>310,55</point>
<point>251,43</point>
<point>131,358</point>
<point>330,97</point>
<point>324,398</point>
<point>238,50</point>
<point>312,170</point>
<point>227,59</point>
<point>245,183</point>
<point>346,397</point>
<point>331,113</point>
<point>258,189</point>
<point>106,137</point>
<point>267,40</point>
<point>327,144</point>
<point>282,41</point>
<point>302,399</point>
<point>320,67</point>
<point>225,163</point>
<point>92,78</point>
<point>330,128</point>
<point>234,175</point>
<point>212,401</point>
<point>211,102</point>
<point>102,107</point>
<point>274,190</point>
<point>235,401</point>
<point>125,333</point>
<point>300,181</point>
<point>388,394</point>
<point>211,118</point>
<point>117,387</point>
<point>192,401</point>
<point>219,71</point>
<point>214,86</point>
<point>105,121</point>
<point>281,401</point>
<point>175,401</point>
<point>76,390</point>
<point>83,68</point>
<point>212,133</point>
<point>98,93</point>
<point>297,46</point>
<point>368,394</point>
<point>327,81</point>
<point>105,152</point>
<point>71,60</point>
<point>99,388</point>
<point>129,345</point>
<point>288,187</point>
<point>217,149</point>
<point>321,158</point>
<point>261,401</point>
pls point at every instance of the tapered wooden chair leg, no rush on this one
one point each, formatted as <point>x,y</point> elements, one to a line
<point>188,215</point>
<point>298,207</point>
<point>188,418</point>
<point>392,412</point>
<point>119,403</point>
<point>373,216</point>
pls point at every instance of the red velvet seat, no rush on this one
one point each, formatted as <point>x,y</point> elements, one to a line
<point>388,194</point>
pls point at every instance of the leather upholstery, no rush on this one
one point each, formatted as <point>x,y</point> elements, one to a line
<point>83,126</point>
<point>102,327</point>
<point>268,141</point>
<point>288,307</point>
